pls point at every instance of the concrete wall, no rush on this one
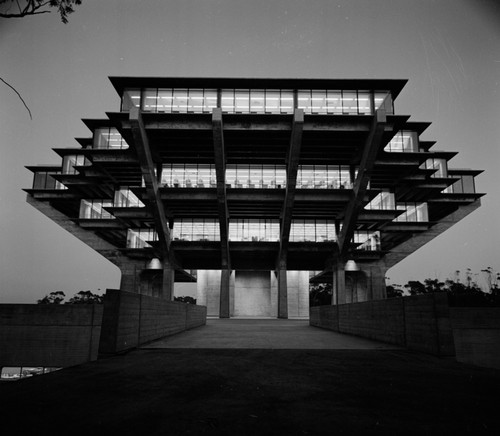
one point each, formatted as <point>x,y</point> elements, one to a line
<point>254,293</point>
<point>419,323</point>
<point>49,335</point>
<point>130,320</point>
<point>298,293</point>
<point>476,332</point>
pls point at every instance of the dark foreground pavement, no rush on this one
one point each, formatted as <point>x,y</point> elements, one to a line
<point>256,392</point>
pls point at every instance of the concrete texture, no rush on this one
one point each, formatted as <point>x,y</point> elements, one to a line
<point>49,334</point>
<point>257,392</point>
<point>265,334</point>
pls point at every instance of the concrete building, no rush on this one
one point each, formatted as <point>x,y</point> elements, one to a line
<point>253,188</point>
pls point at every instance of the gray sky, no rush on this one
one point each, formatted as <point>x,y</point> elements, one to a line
<point>448,49</point>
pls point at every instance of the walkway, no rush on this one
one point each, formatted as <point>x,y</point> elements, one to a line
<point>265,334</point>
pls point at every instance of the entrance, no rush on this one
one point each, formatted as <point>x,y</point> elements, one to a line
<point>252,293</point>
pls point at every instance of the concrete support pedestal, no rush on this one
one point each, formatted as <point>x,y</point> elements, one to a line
<point>168,281</point>
<point>225,276</point>
<point>339,292</point>
<point>282,294</point>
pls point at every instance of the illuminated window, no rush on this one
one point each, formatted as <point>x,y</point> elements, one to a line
<point>124,197</point>
<point>140,238</point>
<point>312,231</point>
<point>131,98</point>
<point>254,230</point>
<point>324,177</point>
<point>94,209</point>
<point>108,138</point>
<point>188,176</point>
<point>383,201</point>
<point>413,212</point>
<point>439,166</point>
<point>256,176</point>
<point>72,161</point>
<point>196,230</point>
<point>404,141</point>
<point>367,240</point>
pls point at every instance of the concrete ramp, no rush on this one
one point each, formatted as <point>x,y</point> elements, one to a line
<point>265,334</point>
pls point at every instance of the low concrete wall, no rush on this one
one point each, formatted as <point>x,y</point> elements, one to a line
<point>131,320</point>
<point>419,323</point>
<point>49,335</point>
<point>476,332</point>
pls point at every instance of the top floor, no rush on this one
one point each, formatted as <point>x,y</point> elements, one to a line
<point>257,96</point>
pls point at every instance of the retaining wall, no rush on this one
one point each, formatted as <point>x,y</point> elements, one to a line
<point>420,323</point>
<point>476,332</point>
<point>49,335</point>
<point>131,320</point>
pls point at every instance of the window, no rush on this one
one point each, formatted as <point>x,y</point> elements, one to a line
<point>368,241</point>
<point>72,161</point>
<point>44,180</point>
<point>254,230</point>
<point>465,185</point>
<point>313,231</point>
<point>196,230</point>
<point>324,177</point>
<point>124,197</point>
<point>439,165</point>
<point>108,138</point>
<point>413,212</point>
<point>13,373</point>
<point>383,201</point>
<point>256,176</point>
<point>94,209</point>
<point>188,176</point>
<point>131,98</point>
<point>404,141</point>
<point>139,238</point>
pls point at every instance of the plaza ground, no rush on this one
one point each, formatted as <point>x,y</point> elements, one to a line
<point>279,377</point>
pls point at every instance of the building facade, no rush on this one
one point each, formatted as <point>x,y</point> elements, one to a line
<point>254,188</point>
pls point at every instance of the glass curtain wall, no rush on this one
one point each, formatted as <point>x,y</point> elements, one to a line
<point>124,197</point>
<point>367,240</point>
<point>188,176</point>
<point>313,231</point>
<point>256,176</point>
<point>404,141</point>
<point>94,209</point>
<point>324,177</point>
<point>196,230</point>
<point>71,160</point>
<point>138,238</point>
<point>465,185</point>
<point>257,101</point>
<point>254,230</point>
<point>439,165</point>
<point>383,201</point>
<point>108,138</point>
<point>44,180</point>
<point>168,100</point>
<point>413,212</point>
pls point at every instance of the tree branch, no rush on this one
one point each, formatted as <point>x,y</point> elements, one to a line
<point>19,95</point>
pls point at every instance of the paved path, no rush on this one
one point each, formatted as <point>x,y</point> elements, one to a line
<point>266,334</point>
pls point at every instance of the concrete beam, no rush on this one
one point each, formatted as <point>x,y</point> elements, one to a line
<point>370,151</point>
<point>147,168</point>
<point>220,171</point>
<point>403,250</point>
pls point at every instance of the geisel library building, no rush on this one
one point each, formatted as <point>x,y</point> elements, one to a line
<point>253,189</point>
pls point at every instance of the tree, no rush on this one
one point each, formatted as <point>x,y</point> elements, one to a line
<point>320,294</point>
<point>86,297</point>
<point>23,8</point>
<point>394,291</point>
<point>186,299</point>
<point>56,297</point>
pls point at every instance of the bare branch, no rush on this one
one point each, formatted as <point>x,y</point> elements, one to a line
<point>19,95</point>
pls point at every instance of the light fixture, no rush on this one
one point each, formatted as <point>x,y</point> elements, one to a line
<point>154,263</point>
<point>351,266</point>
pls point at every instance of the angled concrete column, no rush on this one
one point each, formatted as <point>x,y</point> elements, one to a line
<point>168,281</point>
<point>225,276</point>
<point>282,293</point>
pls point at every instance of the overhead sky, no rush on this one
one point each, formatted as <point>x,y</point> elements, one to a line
<point>448,49</point>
